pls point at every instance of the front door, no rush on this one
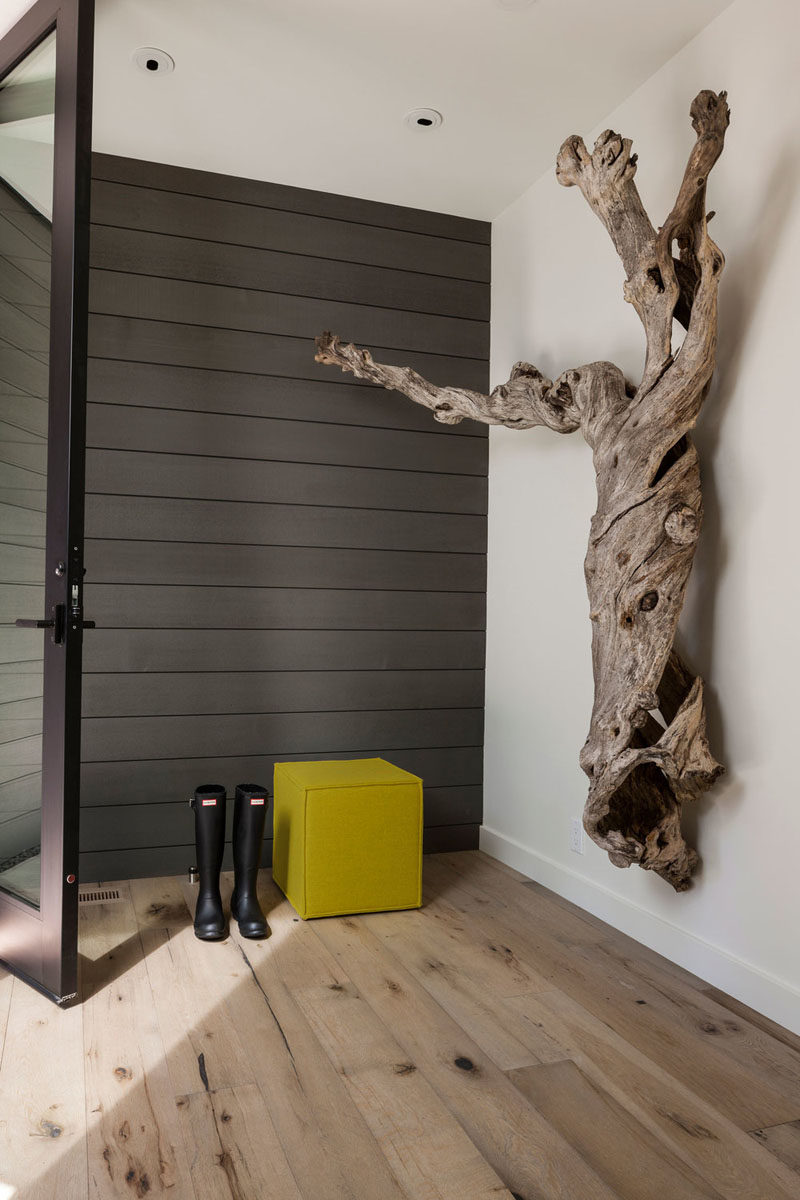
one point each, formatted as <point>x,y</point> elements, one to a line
<point>45,172</point>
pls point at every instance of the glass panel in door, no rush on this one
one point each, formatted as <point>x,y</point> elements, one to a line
<point>27,108</point>
<point>45,178</point>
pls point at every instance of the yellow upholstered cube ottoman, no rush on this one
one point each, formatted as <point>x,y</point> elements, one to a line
<point>348,836</point>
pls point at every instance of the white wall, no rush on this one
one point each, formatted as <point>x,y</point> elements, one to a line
<point>558,302</point>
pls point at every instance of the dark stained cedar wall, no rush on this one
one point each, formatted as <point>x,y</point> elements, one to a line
<point>282,562</point>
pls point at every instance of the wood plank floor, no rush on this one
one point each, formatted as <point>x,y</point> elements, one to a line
<point>498,1042</point>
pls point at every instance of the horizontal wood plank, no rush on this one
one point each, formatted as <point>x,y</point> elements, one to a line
<point>183,475</point>
<point>21,371</point>
<point>159,385</point>
<point>21,650</point>
<point>235,188</point>
<point>228,1132</point>
<point>38,269</point>
<point>29,455</point>
<point>603,1133</point>
<point>22,564</point>
<point>167,606</point>
<point>139,781</point>
<point>18,243</point>
<point>161,694</point>
<point>170,431</point>
<point>279,229</point>
<point>171,822</point>
<point>139,252</point>
<point>27,413</point>
<point>146,518</point>
<point>783,1141</point>
<point>256,353</point>
<point>267,310</point>
<point>30,222</point>
<point>44,1129</point>
<point>19,288</point>
<point>105,739</point>
<point>280,650</point>
<point>273,566</point>
<point>22,330</point>
<point>19,600</point>
<point>644,1014</point>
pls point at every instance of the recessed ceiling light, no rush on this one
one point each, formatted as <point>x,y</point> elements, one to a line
<point>155,62</point>
<point>423,118</point>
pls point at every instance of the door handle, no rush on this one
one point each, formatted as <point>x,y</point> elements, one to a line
<point>23,623</point>
<point>57,623</point>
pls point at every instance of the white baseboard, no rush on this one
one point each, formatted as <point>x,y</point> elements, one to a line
<point>766,993</point>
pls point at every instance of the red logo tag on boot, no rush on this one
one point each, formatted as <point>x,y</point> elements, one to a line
<point>256,799</point>
<point>210,800</point>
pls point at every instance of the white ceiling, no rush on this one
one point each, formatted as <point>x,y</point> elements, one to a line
<point>313,92</point>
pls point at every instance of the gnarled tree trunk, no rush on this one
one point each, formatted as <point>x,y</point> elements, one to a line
<point>647,751</point>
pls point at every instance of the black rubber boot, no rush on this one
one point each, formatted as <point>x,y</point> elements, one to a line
<point>209,836</point>
<point>249,814</point>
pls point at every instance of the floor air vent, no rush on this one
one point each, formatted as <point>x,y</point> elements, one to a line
<point>98,895</point>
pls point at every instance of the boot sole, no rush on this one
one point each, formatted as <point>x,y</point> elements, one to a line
<point>256,935</point>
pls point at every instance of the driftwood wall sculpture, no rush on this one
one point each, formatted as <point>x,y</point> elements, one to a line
<point>647,751</point>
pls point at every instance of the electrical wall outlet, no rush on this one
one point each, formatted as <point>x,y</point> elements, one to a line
<point>576,835</point>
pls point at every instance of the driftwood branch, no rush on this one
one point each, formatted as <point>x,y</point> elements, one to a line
<point>647,751</point>
<point>527,399</point>
<point>658,286</point>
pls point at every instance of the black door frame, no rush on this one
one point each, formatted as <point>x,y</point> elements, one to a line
<point>41,946</point>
